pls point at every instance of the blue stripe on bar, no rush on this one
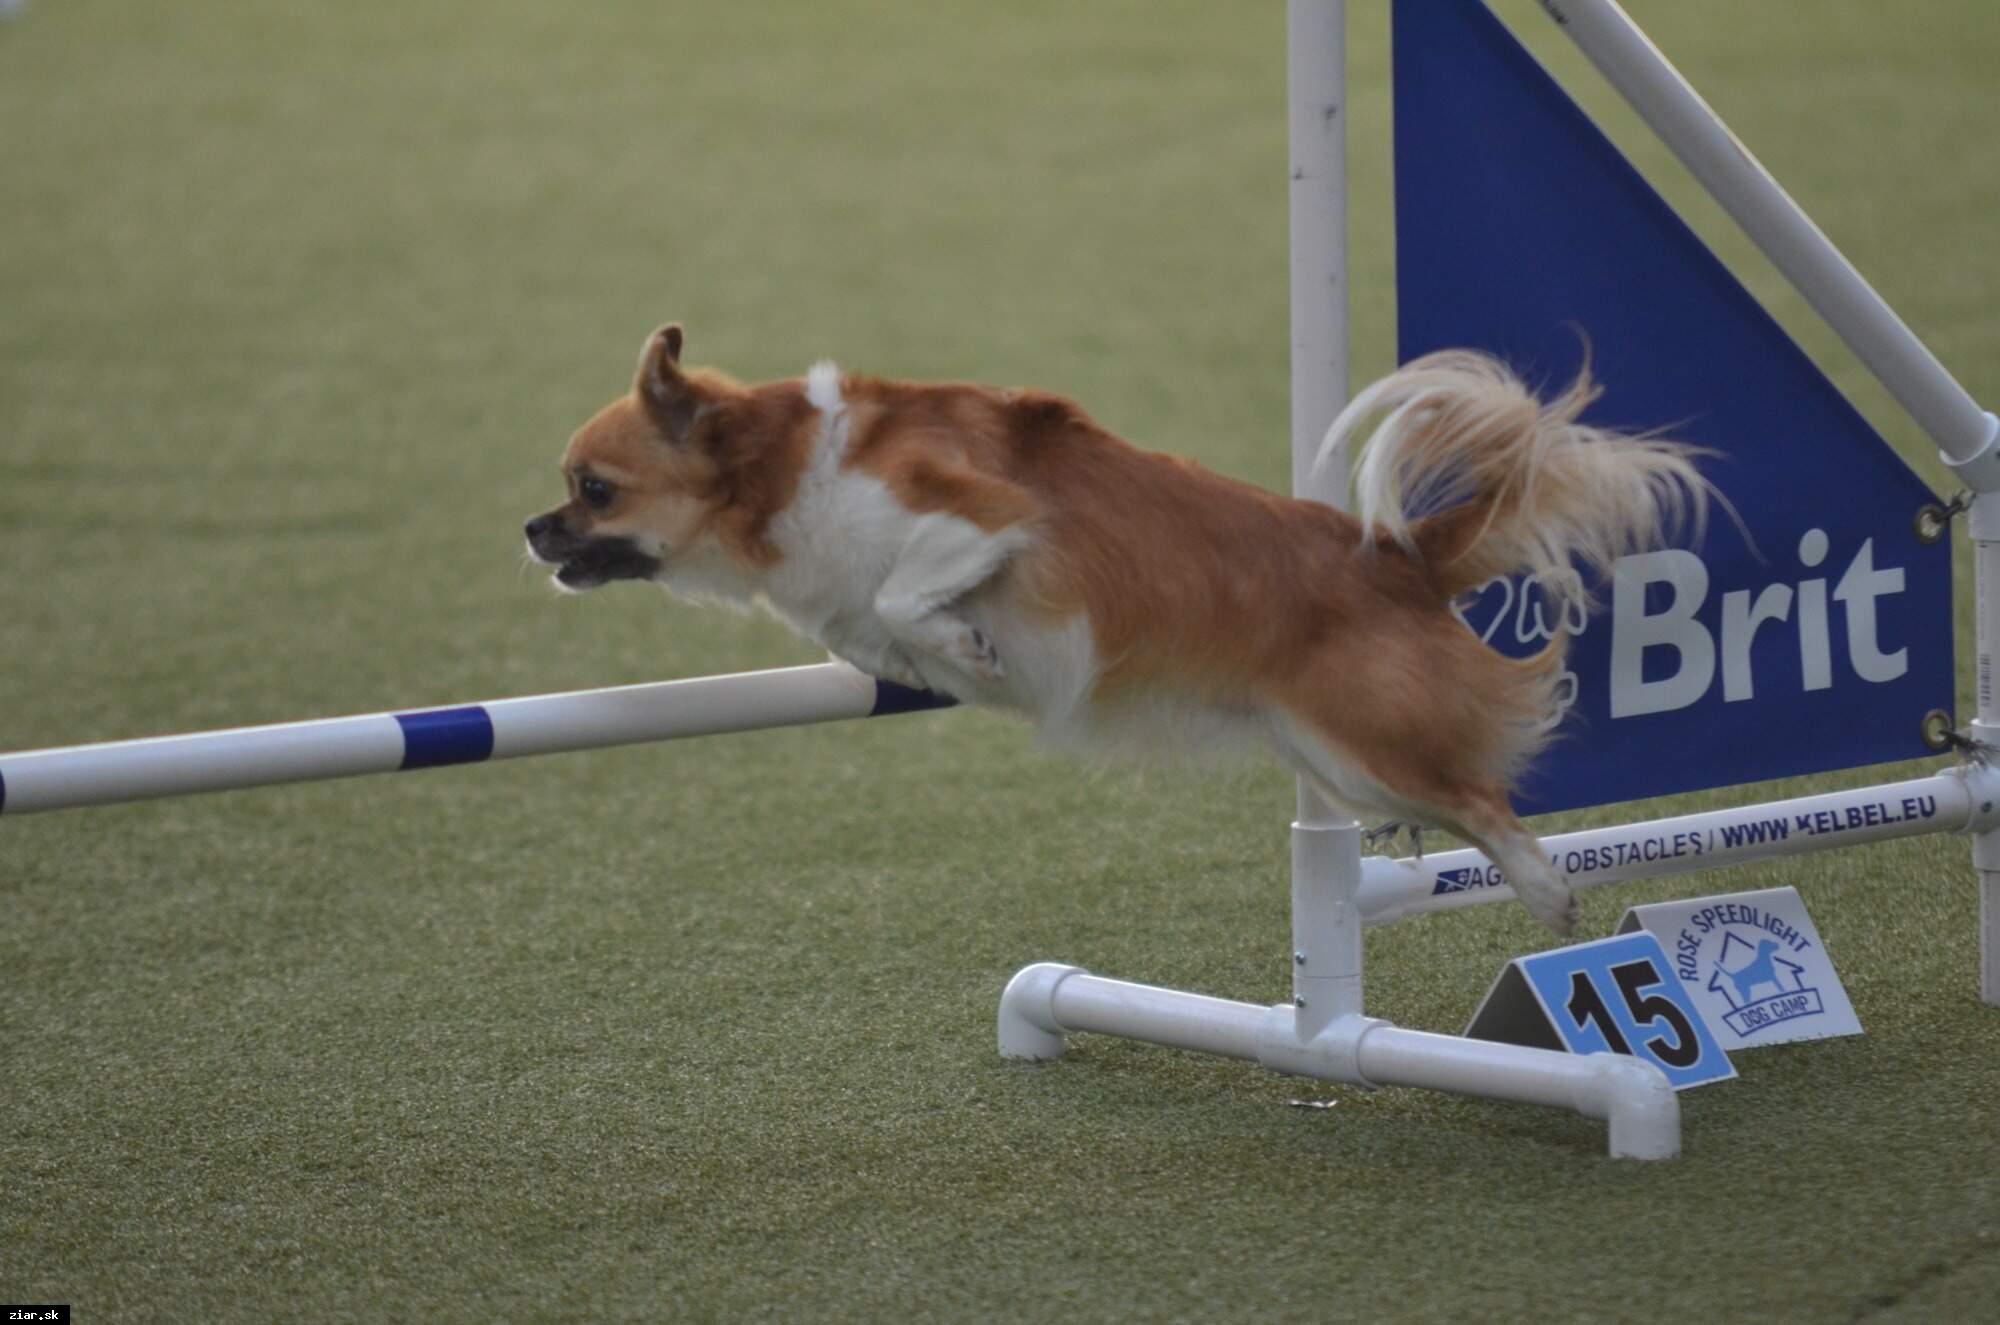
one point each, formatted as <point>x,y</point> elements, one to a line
<point>436,737</point>
<point>3,792</point>
<point>892,698</point>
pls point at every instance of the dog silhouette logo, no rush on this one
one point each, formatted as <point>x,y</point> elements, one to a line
<point>1761,987</point>
<point>1761,970</point>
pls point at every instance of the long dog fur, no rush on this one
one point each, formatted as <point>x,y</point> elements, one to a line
<point>1005,548</point>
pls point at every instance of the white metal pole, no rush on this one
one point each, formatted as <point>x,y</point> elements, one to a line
<point>1326,845</point>
<point>1047,1001</point>
<point>1985,533</point>
<point>1630,1094</point>
<point>1959,800</point>
<point>1727,170</point>
<point>387,742</point>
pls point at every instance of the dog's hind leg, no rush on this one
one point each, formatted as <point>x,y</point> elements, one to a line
<point>1481,815</point>
<point>1490,824</point>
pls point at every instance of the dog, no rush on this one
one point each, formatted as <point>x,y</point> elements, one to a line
<point>1004,548</point>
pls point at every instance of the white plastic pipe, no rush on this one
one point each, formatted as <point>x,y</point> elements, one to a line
<point>208,761</point>
<point>1633,1096</point>
<point>1655,89</point>
<point>670,710</point>
<point>1958,800</point>
<point>1045,1002</point>
<point>1326,844</point>
<point>1316,97</point>
<point>387,742</point>
<point>1985,532</point>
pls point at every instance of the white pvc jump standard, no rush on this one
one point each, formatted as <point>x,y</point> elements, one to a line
<point>1046,1001</point>
<point>1334,893</point>
<point>1323,1032</point>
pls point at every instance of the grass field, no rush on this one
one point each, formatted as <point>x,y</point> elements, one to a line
<point>297,305</point>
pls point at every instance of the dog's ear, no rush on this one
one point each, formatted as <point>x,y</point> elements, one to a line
<point>664,390</point>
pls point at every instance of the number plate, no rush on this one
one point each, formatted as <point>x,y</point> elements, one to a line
<point>1615,995</point>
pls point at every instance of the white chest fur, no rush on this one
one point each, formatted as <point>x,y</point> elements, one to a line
<point>839,539</point>
<point>900,593</point>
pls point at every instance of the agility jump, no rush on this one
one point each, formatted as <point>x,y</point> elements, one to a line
<point>1322,1031</point>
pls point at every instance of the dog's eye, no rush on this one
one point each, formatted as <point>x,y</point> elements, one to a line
<point>596,493</point>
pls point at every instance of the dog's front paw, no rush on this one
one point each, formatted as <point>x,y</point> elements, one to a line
<point>890,664</point>
<point>897,667</point>
<point>978,655</point>
<point>1555,905</point>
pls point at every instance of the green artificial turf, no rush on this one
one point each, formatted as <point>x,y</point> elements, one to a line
<point>297,305</point>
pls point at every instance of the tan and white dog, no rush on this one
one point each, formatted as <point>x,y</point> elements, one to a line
<point>1004,548</point>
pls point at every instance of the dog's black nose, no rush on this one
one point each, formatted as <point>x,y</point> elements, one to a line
<point>540,525</point>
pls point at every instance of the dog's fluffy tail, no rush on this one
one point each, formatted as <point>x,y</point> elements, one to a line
<point>1475,476</point>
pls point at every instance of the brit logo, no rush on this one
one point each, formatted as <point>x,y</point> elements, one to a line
<point>1753,964</point>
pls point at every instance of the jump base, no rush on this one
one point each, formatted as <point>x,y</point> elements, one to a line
<point>1047,1001</point>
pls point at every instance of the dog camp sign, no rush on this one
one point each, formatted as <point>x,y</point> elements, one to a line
<point>1754,965</point>
<point>1816,635</point>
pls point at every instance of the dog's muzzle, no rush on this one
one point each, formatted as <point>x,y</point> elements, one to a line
<point>585,562</point>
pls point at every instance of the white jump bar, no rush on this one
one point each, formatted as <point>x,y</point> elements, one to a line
<point>1691,129</point>
<point>429,738</point>
<point>1957,800</point>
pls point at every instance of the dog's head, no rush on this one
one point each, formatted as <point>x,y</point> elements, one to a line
<point>644,478</point>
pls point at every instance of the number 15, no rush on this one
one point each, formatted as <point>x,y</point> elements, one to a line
<point>1634,978</point>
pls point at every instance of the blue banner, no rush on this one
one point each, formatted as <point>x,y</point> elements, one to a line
<point>1522,230</point>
